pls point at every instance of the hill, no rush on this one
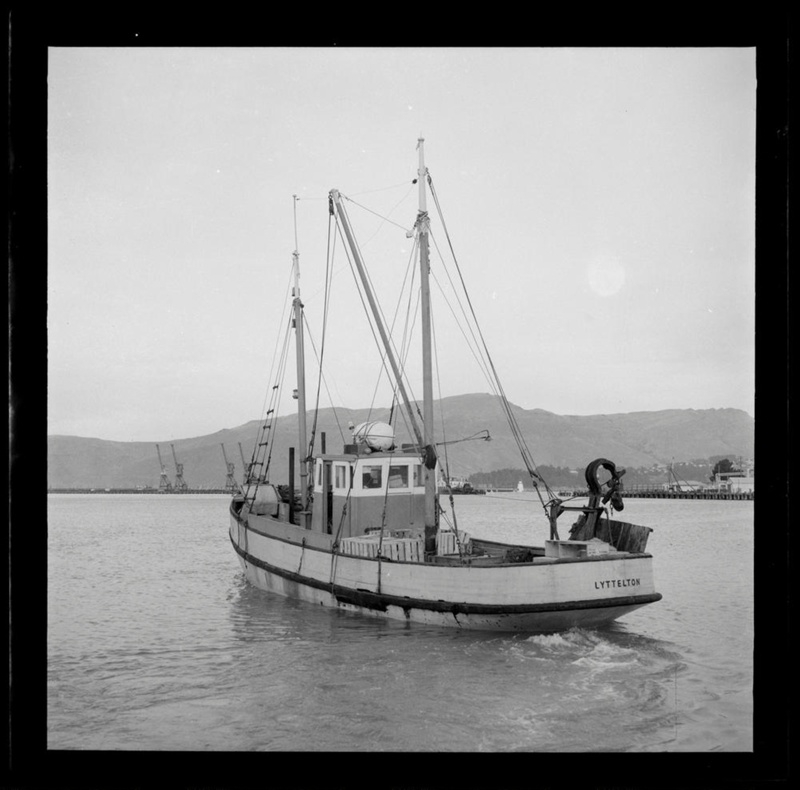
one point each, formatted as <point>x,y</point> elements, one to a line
<point>637,439</point>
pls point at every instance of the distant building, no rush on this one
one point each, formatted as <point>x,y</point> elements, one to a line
<point>740,481</point>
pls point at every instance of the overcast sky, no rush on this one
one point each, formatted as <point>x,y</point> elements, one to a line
<point>600,201</point>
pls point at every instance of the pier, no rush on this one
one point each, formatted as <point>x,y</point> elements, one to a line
<point>660,493</point>
<point>654,493</point>
<point>137,491</point>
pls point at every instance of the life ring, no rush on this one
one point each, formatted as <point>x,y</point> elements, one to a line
<point>614,484</point>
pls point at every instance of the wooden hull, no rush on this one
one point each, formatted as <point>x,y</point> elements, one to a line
<point>536,597</point>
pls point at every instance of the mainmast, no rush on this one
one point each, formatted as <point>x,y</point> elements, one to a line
<point>297,306</point>
<point>423,227</point>
<point>423,435</point>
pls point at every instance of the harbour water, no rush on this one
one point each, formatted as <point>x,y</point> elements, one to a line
<point>155,642</point>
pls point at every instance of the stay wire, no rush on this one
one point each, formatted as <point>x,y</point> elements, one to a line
<point>444,439</point>
<point>513,424</point>
<point>269,444</point>
<point>261,457</point>
<point>324,381</point>
<point>371,320</point>
<point>404,343</point>
<point>380,216</point>
<point>321,355</point>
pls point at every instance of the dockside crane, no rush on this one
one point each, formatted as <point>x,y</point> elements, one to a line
<point>180,483</point>
<point>230,480</point>
<point>163,483</point>
<point>248,468</point>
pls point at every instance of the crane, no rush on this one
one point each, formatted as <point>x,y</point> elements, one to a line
<point>180,483</point>
<point>230,480</point>
<point>163,483</point>
<point>248,468</point>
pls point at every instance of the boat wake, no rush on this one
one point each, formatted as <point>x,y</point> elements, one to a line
<point>600,649</point>
<point>583,679</point>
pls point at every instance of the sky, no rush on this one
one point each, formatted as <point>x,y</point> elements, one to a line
<point>600,201</point>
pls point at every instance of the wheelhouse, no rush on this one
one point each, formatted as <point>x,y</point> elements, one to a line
<point>357,494</point>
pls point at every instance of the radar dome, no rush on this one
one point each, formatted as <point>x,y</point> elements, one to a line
<point>376,435</point>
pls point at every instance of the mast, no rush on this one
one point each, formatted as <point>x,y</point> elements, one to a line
<point>301,380</point>
<point>424,436</point>
<point>423,226</point>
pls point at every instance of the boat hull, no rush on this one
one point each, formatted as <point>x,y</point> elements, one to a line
<point>296,563</point>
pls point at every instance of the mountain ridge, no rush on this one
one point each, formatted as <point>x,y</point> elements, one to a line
<point>630,439</point>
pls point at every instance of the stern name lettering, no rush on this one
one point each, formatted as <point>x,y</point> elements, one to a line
<point>617,583</point>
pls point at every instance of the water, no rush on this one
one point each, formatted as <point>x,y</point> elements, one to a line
<point>155,642</point>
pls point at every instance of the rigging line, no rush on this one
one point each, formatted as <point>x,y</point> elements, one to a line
<point>277,394</point>
<point>271,404</point>
<point>472,310</point>
<point>256,454</point>
<point>405,341</point>
<point>386,189</point>
<point>260,456</point>
<point>383,523</point>
<point>513,424</point>
<point>402,353</point>
<point>277,391</point>
<point>444,436</point>
<point>321,356</point>
<point>407,351</point>
<point>338,534</point>
<point>371,319</point>
<point>364,305</point>
<point>474,437</point>
<point>379,306</point>
<point>385,219</point>
<point>286,305</point>
<point>380,216</point>
<point>474,349</point>
<point>474,323</point>
<point>415,298</point>
<point>324,380</point>
<point>507,498</point>
<point>439,388</point>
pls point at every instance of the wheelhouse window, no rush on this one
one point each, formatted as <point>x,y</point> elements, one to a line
<point>372,477</point>
<point>419,480</point>
<point>398,476</point>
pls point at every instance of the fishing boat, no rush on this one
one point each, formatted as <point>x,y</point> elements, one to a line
<point>365,529</point>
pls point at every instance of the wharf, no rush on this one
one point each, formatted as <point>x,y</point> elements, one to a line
<point>659,493</point>
<point>136,491</point>
<point>705,494</point>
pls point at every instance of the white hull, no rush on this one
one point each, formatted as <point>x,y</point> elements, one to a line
<point>534,597</point>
